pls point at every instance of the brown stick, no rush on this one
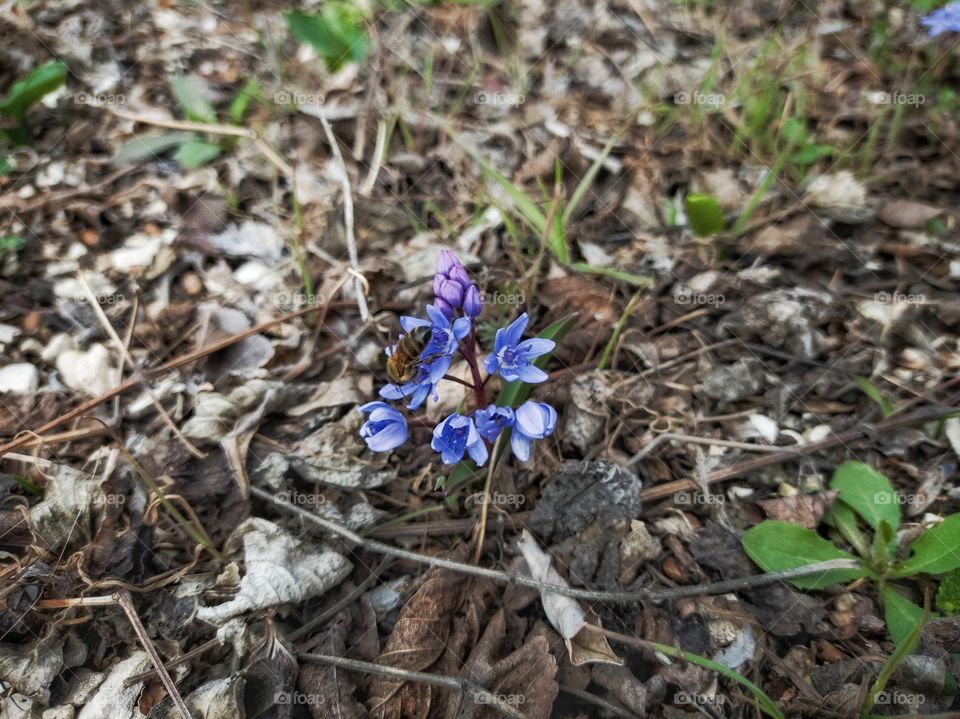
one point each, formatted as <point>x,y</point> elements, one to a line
<point>919,416</point>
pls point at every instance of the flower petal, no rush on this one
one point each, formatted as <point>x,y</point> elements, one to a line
<point>537,346</point>
<point>419,395</point>
<point>520,444</point>
<point>461,327</point>
<point>531,374</point>
<point>531,420</point>
<point>514,331</point>
<point>491,363</point>
<point>410,323</point>
<point>391,391</point>
<point>437,318</point>
<point>478,452</point>
<point>370,406</point>
<point>390,437</point>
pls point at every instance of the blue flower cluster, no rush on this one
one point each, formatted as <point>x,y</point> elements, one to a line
<point>945,19</point>
<point>457,302</point>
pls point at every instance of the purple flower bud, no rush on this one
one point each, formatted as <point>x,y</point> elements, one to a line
<point>446,262</point>
<point>450,292</point>
<point>472,302</point>
<point>442,305</point>
<point>459,274</point>
<point>438,279</point>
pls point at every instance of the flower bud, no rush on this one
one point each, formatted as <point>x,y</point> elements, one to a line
<point>450,292</point>
<point>472,303</point>
<point>446,262</point>
<point>442,305</point>
<point>459,274</point>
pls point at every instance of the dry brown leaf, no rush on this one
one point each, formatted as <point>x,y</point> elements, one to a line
<point>804,509</point>
<point>418,640</point>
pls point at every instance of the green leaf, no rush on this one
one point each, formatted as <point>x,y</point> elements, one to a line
<point>11,243</point>
<point>948,594</point>
<point>794,131</point>
<point>197,153</point>
<point>901,615</point>
<point>635,280</point>
<point>191,92</point>
<point>868,388</point>
<point>776,545</point>
<point>809,154</point>
<point>704,214</point>
<point>30,90</point>
<point>936,551</point>
<point>844,520</point>
<point>867,492</point>
<point>884,542</point>
<point>148,147</point>
<point>5,167</point>
<point>241,103</point>
<point>337,33</point>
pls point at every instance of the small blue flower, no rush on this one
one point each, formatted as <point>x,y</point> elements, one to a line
<point>534,420</point>
<point>513,358</point>
<point>444,340</point>
<point>457,434</point>
<point>452,287</point>
<point>386,428</point>
<point>492,420</point>
<point>946,19</point>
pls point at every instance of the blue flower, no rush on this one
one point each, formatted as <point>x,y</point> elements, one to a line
<point>534,420</point>
<point>457,434</point>
<point>946,19</point>
<point>513,358</point>
<point>386,428</point>
<point>492,420</point>
<point>444,340</point>
<point>472,302</point>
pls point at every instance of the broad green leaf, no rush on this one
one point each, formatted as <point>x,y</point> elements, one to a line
<point>149,147</point>
<point>704,214</point>
<point>844,520</point>
<point>635,280</point>
<point>197,153</point>
<point>337,33</point>
<point>884,542</point>
<point>794,131</point>
<point>868,388</point>
<point>30,90</point>
<point>776,545</point>
<point>867,492</point>
<point>936,551</point>
<point>190,92</point>
<point>810,154</point>
<point>900,614</point>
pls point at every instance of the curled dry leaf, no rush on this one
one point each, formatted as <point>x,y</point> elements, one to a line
<point>804,509</point>
<point>112,698</point>
<point>418,639</point>
<point>280,569</point>
<point>584,643</point>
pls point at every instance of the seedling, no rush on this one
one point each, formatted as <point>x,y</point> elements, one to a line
<point>26,93</point>
<point>337,33</point>
<point>865,497</point>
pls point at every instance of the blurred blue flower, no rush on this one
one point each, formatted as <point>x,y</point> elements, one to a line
<point>534,420</point>
<point>385,429</point>
<point>492,420</point>
<point>436,357</point>
<point>457,434</point>
<point>945,19</point>
<point>513,358</point>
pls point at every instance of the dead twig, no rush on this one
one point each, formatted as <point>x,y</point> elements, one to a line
<point>655,595</point>
<point>476,692</point>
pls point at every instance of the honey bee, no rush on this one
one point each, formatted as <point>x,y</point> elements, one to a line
<point>405,360</point>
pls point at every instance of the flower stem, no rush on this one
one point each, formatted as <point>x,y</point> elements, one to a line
<point>458,380</point>
<point>469,351</point>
